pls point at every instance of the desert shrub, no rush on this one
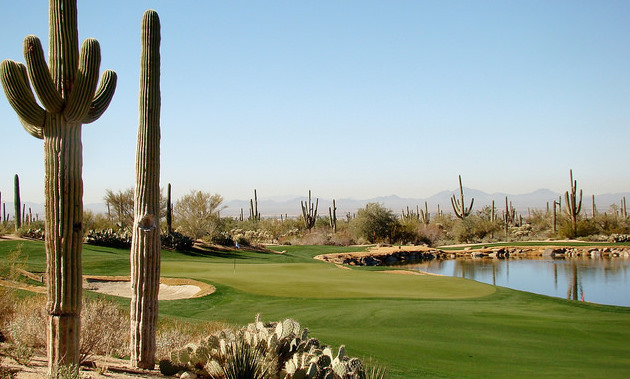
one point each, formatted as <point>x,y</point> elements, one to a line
<point>26,330</point>
<point>101,331</point>
<point>174,334</point>
<point>177,241</point>
<point>197,214</point>
<point>7,310</point>
<point>97,221</point>
<point>32,233</point>
<point>28,326</point>
<point>6,372</point>
<point>68,372</point>
<point>474,228</point>
<point>109,238</point>
<point>15,262</point>
<point>584,228</point>
<point>250,237</point>
<point>611,224</point>
<point>33,230</point>
<point>374,223</point>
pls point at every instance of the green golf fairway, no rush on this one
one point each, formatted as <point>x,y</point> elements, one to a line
<point>416,326</point>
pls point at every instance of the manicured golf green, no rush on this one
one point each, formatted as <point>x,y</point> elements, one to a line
<point>416,326</point>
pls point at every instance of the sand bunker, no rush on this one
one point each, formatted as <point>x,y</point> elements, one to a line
<point>170,288</point>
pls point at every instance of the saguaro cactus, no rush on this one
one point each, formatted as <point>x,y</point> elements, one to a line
<point>573,205</point>
<point>332,214</point>
<point>17,202</point>
<point>254,215</point>
<point>458,204</point>
<point>309,212</point>
<point>66,87</point>
<point>169,210</point>
<point>425,215</point>
<point>145,246</point>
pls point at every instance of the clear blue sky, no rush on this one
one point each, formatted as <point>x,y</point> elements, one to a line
<point>351,98</point>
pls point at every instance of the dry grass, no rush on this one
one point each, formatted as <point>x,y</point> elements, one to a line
<point>173,334</point>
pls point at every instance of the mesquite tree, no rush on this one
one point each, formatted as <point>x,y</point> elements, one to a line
<point>67,89</point>
<point>145,246</point>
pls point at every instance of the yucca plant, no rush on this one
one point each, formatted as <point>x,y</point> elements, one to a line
<point>244,361</point>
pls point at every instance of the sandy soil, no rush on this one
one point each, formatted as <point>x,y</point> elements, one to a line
<point>170,288</point>
<point>104,368</point>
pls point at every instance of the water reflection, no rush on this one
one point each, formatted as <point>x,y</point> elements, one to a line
<point>596,279</point>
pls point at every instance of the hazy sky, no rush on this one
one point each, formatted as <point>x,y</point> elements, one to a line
<point>351,98</point>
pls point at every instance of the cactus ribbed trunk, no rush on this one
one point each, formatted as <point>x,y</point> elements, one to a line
<point>17,202</point>
<point>145,249</point>
<point>64,238</point>
<point>66,86</point>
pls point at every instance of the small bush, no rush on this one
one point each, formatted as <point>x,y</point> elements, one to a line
<point>28,326</point>
<point>172,335</point>
<point>6,372</point>
<point>7,310</point>
<point>103,330</point>
<point>109,238</point>
<point>177,241</point>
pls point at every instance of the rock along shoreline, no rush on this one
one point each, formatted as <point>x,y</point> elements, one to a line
<point>396,255</point>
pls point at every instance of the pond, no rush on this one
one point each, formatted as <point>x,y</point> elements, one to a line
<point>598,280</point>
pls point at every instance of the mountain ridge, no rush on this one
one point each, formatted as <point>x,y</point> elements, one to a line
<point>289,205</point>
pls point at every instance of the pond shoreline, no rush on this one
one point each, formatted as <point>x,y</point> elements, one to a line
<point>395,255</point>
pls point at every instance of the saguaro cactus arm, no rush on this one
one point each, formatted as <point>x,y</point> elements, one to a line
<point>18,91</point>
<point>85,83</point>
<point>102,98</point>
<point>40,75</point>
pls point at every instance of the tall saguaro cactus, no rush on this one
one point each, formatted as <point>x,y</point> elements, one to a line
<point>67,89</point>
<point>458,204</point>
<point>573,205</point>
<point>169,210</point>
<point>17,202</point>
<point>145,246</point>
<point>309,212</point>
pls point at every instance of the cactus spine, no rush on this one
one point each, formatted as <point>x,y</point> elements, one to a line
<point>17,202</point>
<point>573,205</point>
<point>309,212</point>
<point>67,89</point>
<point>459,206</point>
<point>145,247</point>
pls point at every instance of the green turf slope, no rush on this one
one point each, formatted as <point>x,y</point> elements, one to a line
<point>416,326</point>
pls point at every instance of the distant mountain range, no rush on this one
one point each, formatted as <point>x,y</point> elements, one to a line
<point>522,202</point>
<point>290,205</point>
